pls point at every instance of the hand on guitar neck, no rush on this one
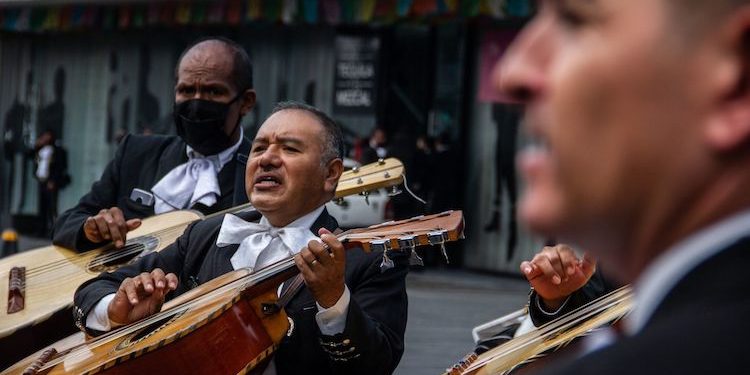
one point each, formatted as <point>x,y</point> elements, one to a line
<point>140,296</point>
<point>556,272</point>
<point>109,225</point>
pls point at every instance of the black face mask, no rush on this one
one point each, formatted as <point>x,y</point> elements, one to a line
<point>200,123</point>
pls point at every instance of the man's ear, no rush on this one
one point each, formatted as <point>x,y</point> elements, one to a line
<point>248,101</point>
<point>729,127</point>
<point>334,169</point>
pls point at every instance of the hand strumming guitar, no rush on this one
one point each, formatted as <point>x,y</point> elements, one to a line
<point>109,225</point>
<point>556,272</point>
<point>140,296</point>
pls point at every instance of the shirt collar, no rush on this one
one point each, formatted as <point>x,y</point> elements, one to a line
<point>305,221</point>
<point>224,156</point>
<point>669,268</point>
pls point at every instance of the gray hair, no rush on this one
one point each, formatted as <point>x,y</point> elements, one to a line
<point>333,142</point>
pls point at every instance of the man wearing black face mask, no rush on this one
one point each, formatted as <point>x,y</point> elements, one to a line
<point>202,168</point>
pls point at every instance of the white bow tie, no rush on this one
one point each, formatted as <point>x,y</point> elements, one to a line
<point>260,244</point>
<point>189,183</point>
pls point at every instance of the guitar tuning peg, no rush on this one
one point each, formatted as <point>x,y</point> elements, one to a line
<point>394,191</point>
<point>366,194</point>
<point>339,201</point>
<point>381,161</point>
<point>415,259</point>
<point>445,253</point>
<point>387,263</point>
<point>355,169</point>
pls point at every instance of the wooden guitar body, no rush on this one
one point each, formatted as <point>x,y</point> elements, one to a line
<point>50,287</point>
<point>229,325</point>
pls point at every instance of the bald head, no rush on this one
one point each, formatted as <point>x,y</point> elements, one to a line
<point>216,52</point>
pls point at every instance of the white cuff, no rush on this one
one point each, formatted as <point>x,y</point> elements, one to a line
<point>333,319</point>
<point>98,318</point>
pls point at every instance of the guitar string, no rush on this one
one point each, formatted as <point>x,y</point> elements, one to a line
<point>592,309</point>
<point>362,173</point>
<point>241,283</point>
<point>269,271</point>
<point>567,321</point>
<point>552,327</point>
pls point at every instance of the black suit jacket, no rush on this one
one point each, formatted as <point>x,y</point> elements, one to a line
<point>701,327</point>
<point>372,342</point>
<point>140,162</point>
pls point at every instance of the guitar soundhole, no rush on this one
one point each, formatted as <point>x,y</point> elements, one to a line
<point>146,332</point>
<point>111,259</point>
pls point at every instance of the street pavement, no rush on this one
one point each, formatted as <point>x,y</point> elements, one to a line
<point>444,305</point>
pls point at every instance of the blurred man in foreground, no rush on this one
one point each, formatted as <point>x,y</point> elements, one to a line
<point>641,112</point>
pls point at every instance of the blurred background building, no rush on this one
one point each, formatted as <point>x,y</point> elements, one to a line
<point>93,71</point>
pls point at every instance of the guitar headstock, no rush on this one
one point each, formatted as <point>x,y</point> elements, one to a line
<point>382,173</point>
<point>407,234</point>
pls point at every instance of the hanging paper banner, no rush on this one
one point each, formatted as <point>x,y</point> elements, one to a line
<point>348,10</point>
<point>310,11</point>
<point>182,14</point>
<point>198,13</point>
<point>366,10</point>
<point>469,8</point>
<point>38,16</point>
<point>519,8</point>
<point>493,8</point>
<point>23,20</point>
<point>331,12</point>
<point>234,12</point>
<point>493,46</point>
<point>167,14</point>
<point>253,10</point>
<point>50,20</point>
<point>124,17</point>
<point>385,10</point>
<point>403,7</point>
<point>152,18</point>
<point>271,10</point>
<point>216,13</point>
<point>424,7</point>
<point>139,16</point>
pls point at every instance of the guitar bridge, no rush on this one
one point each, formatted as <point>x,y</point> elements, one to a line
<point>16,289</point>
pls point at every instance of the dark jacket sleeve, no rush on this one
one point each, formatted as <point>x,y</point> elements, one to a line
<point>373,340</point>
<point>170,260</point>
<point>68,230</point>
<point>596,287</point>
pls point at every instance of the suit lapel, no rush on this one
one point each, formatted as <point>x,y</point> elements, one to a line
<point>174,154</point>
<point>240,163</point>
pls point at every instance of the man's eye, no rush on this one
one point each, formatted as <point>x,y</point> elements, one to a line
<point>290,149</point>
<point>569,17</point>
<point>257,149</point>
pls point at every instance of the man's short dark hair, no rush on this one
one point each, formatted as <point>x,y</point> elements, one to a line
<point>242,69</point>
<point>333,145</point>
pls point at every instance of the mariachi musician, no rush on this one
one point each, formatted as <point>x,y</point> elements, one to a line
<point>202,168</point>
<point>350,315</point>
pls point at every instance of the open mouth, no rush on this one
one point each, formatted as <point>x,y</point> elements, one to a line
<point>267,181</point>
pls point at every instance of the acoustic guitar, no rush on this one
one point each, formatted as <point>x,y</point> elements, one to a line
<point>236,313</point>
<point>39,284</point>
<point>520,352</point>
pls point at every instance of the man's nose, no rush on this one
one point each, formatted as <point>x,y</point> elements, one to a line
<point>270,158</point>
<point>520,74</point>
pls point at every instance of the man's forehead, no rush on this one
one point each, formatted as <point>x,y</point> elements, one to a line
<point>290,124</point>
<point>207,60</point>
